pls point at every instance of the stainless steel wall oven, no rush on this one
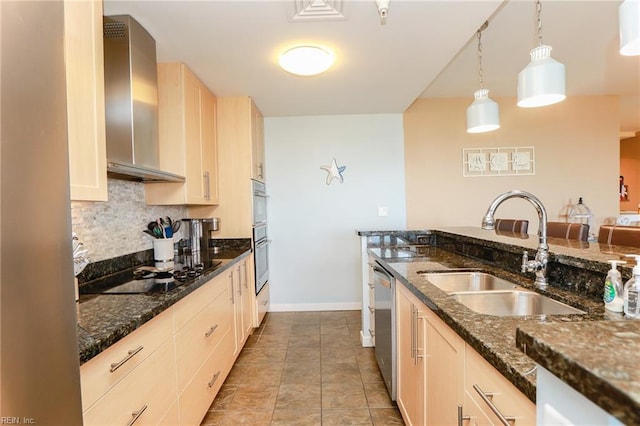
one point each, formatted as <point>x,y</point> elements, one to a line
<point>260,241</point>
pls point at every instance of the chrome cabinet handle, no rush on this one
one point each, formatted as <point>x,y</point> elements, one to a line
<point>462,418</point>
<point>413,334</point>
<point>371,310</point>
<point>246,279</point>
<point>207,186</point>
<point>420,352</point>
<point>136,415</point>
<point>233,298</point>
<point>486,397</point>
<point>130,355</point>
<point>213,379</point>
<point>211,330</point>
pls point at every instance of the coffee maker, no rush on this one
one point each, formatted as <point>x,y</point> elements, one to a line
<point>195,242</point>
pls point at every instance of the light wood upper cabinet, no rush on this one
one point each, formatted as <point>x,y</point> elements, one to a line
<point>240,138</point>
<point>85,100</point>
<point>257,143</point>
<point>187,133</point>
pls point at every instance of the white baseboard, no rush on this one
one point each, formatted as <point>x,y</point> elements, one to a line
<point>300,307</point>
<point>367,341</point>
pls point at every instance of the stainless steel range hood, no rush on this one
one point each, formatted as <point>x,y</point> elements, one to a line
<point>131,99</point>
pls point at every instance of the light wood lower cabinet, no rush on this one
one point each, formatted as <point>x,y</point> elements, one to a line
<point>445,352</point>
<point>507,399</point>
<point>437,372</point>
<point>170,369</point>
<point>412,372</point>
<point>144,394</point>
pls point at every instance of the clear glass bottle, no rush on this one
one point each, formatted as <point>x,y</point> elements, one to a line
<point>632,291</point>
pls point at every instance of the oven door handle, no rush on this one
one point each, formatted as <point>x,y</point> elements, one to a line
<point>262,243</point>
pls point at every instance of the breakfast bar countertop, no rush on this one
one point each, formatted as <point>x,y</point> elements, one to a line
<point>599,360</point>
<point>105,319</point>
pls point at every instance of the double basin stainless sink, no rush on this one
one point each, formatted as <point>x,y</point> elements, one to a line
<point>487,294</point>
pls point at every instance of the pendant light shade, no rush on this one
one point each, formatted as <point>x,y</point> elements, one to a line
<point>542,82</point>
<point>483,114</point>
<point>629,21</point>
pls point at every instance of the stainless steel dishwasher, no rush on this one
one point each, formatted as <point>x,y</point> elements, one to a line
<point>385,326</point>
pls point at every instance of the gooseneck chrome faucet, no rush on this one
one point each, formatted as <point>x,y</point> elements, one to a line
<point>539,264</point>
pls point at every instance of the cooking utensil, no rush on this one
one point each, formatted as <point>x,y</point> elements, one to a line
<point>146,231</point>
<point>176,226</point>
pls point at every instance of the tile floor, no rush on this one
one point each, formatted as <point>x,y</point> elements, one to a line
<point>305,368</point>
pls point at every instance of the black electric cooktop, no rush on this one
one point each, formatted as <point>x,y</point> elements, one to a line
<point>149,281</point>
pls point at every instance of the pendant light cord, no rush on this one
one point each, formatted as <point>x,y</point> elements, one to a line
<point>539,16</point>
<point>479,34</point>
<point>480,58</point>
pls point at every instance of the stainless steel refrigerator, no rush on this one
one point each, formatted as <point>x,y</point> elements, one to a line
<point>39,368</point>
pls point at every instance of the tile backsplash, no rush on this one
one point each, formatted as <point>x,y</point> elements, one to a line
<point>114,228</point>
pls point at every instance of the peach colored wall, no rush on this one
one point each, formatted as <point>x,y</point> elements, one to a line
<point>630,169</point>
<point>576,155</point>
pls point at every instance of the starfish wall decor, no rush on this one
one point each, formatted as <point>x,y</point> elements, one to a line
<point>334,172</point>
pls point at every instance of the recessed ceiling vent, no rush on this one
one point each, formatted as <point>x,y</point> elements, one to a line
<point>317,10</point>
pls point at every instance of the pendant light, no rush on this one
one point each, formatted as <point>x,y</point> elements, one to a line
<point>542,82</point>
<point>629,21</point>
<point>483,113</point>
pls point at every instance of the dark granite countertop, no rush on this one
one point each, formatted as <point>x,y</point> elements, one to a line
<point>105,319</point>
<point>491,336</point>
<point>599,361</point>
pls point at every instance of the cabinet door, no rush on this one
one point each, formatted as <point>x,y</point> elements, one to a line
<point>85,100</point>
<point>257,143</point>
<point>445,371</point>
<point>247,288</point>
<point>411,367</point>
<point>187,131</point>
<point>194,174</point>
<point>209,146</point>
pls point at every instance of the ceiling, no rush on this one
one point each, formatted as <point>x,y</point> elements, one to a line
<point>425,48</point>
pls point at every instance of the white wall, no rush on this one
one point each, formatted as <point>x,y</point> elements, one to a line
<point>315,253</point>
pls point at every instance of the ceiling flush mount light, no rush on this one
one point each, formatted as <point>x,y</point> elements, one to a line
<point>542,82</point>
<point>306,60</point>
<point>483,113</point>
<point>629,21</point>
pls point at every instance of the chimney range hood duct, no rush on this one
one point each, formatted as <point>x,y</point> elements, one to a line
<point>131,100</point>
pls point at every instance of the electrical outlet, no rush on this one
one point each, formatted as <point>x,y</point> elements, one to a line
<point>383,211</point>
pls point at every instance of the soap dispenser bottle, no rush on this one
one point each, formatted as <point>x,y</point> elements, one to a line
<point>613,291</point>
<point>632,291</point>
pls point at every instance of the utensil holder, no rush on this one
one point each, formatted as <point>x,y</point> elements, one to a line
<point>163,253</point>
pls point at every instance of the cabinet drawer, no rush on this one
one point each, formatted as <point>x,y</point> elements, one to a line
<point>201,391</point>
<point>184,310</point>
<point>200,336</point>
<point>506,397</point>
<point>97,377</point>
<point>262,301</point>
<point>151,385</point>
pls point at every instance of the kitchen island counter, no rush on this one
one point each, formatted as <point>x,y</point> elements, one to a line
<point>107,318</point>
<point>591,361</point>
